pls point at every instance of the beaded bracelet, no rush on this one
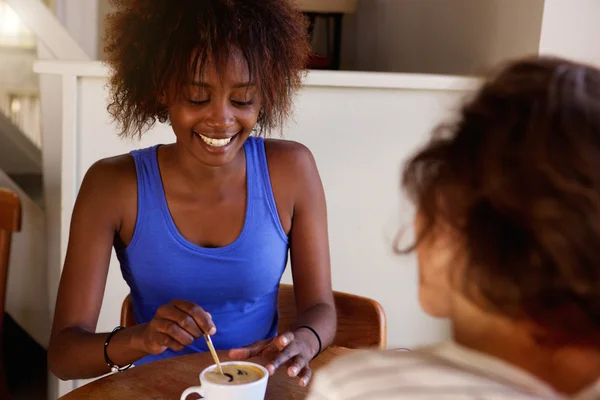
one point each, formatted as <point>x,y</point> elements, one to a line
<point>113,366</point>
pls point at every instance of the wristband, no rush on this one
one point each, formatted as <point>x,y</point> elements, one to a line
<point>316,334</point>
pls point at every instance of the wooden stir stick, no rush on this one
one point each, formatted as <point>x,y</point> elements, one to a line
<point>213,352</point>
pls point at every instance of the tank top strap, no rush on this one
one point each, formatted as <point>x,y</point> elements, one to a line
<point>148,173</point>
<point>148,198</point>
<point>255,184</point>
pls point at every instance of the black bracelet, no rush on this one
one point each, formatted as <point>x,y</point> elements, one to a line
<point>113,366</point>
<point>316,334</point>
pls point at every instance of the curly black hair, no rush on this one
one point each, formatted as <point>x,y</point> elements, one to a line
<point>517,177</point>
<point>154,46</point>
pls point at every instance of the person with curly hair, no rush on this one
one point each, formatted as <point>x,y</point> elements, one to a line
<point>201,227</point>
<point>507,237</point>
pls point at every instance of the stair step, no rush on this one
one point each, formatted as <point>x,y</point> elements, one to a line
<point>32,184</point>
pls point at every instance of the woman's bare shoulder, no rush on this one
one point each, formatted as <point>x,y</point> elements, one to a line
<point>110,183</point>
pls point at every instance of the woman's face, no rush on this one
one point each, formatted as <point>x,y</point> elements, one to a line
<point>216,112</point>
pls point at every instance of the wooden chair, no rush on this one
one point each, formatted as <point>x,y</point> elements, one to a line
<point>361,321</point>
<point>10,221</point>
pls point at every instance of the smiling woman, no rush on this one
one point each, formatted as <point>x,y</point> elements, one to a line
<point>203,226</point>
<point>179,44</point>
<point>217,111</point>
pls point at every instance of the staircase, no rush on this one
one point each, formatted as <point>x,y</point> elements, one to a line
<point>21,158</point>
<point>20,137</point>
<point>24,94</point>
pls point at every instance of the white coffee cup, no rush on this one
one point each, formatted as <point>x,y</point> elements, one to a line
<point>247,391</point>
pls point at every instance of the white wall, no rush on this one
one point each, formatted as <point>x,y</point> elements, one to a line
<point>104,8</point>
<point>27,291</point>
<point>571,29</point>
<point>80,18</point>
<point>462,37</point>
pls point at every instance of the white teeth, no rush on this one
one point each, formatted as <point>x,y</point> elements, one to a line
<point>215,142</point>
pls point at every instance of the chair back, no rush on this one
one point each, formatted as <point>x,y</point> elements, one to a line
<point>10,221</point>
<point>127,317</point>
<point>361,321</point>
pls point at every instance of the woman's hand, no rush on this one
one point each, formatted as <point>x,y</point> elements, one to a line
<point>176,325</point>
<point>295,349</point>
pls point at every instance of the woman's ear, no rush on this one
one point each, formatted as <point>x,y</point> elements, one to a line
<point>436,255</point>
<point>163,99</point>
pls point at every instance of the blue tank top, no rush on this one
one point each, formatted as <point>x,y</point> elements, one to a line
<point>237,284</point>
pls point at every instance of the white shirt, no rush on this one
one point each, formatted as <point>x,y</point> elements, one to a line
<point>445,371</point>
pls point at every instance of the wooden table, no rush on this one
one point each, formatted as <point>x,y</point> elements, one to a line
<point>167,379</point>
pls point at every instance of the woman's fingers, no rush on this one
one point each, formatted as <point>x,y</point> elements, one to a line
<point>295,352</point>
<point>184,320</point>
<point>202,318</point>
<point>253,350</point>
<point>283,356</point>
<point>176,325</point>
<point>297,365</point>
<point>305,376</point>
<point>174,331</point>
<point>283,340</point>
<point>159,342</point>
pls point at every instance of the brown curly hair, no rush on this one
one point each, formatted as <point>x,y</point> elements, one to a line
<point>150,43</point>
<point>518,176</point>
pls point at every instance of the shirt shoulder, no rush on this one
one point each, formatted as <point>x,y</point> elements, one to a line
<point>387,375</point>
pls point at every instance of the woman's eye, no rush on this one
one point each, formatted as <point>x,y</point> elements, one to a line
<point>242,103</point>
<point>198,102</point>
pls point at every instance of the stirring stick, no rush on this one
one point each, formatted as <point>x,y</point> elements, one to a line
<point>213,352</point>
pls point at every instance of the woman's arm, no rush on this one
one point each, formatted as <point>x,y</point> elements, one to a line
<point>108,192</point>
<point>309,250</point>
<point>75,351</point>
<point>311,270</point>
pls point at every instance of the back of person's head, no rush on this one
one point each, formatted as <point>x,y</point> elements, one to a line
<point>517,180</point>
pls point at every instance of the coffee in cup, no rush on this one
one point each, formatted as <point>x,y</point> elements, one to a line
<point>240,380</point>
<point>234,374</point>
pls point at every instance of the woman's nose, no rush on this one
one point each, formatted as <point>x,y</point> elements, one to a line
<point>221,116</point>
